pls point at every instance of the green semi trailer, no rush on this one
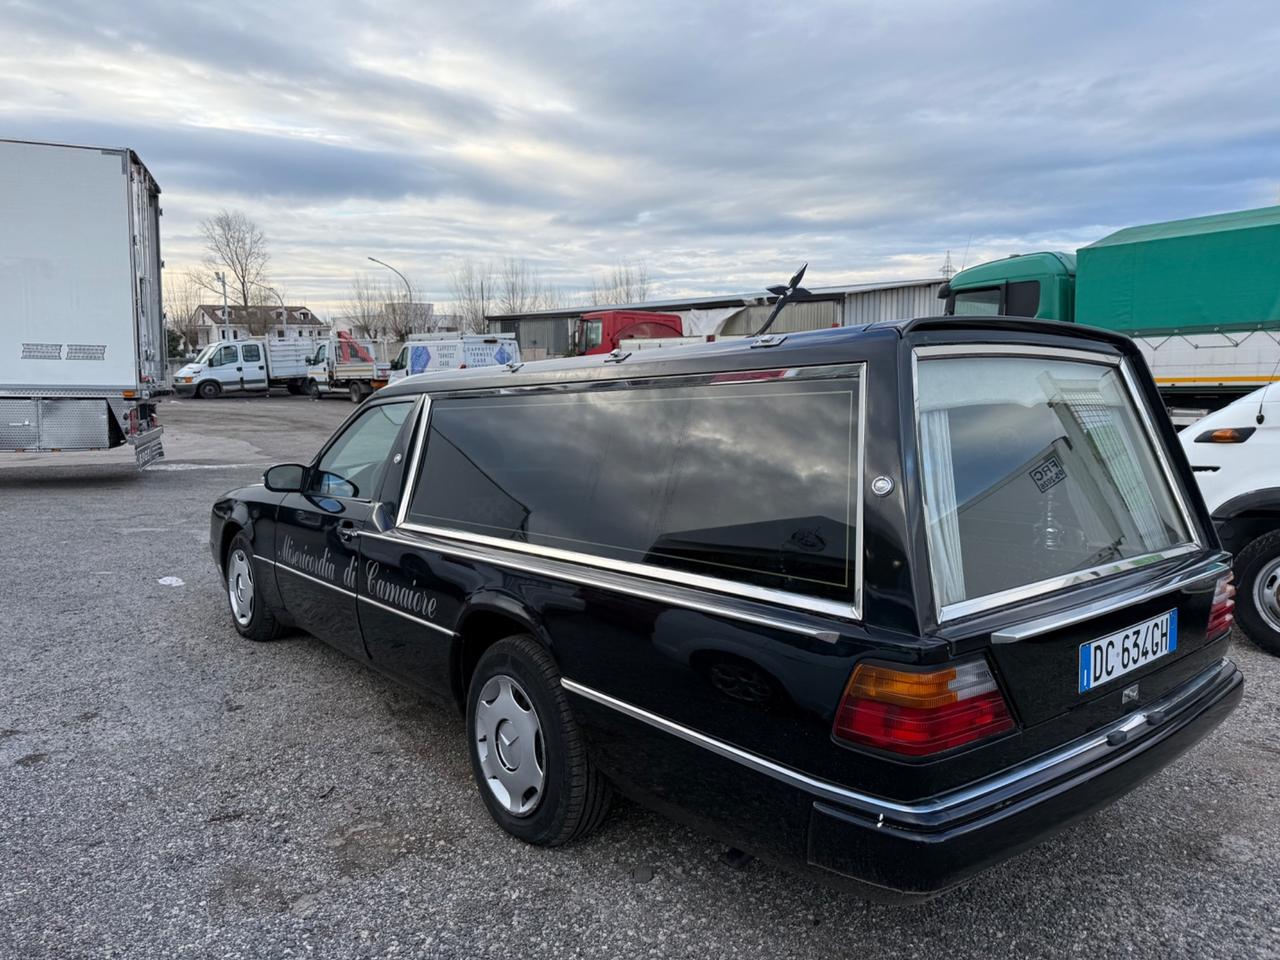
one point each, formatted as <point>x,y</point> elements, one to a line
<point>1201,298</point>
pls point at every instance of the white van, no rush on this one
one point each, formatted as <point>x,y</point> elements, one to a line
<point>1235,453</point>
<point>451,351</point>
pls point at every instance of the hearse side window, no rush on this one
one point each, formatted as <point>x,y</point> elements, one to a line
<point>736,477</point>
<point>353,465</point>
<point>1034,470</point>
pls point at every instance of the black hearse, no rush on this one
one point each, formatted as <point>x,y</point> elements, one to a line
<point>891,602</point>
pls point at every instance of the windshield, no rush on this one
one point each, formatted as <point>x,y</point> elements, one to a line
<point>204,355</point>
<point>1035,470</point>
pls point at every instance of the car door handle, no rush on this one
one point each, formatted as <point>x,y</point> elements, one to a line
<point>239,369</point>
<point>347,531</point>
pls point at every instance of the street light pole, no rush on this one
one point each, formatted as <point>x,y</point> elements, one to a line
<point>408,290</point>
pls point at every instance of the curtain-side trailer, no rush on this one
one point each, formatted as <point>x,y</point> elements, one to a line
<point>82,340</point>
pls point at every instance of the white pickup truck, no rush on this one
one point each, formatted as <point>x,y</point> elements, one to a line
<point>238,366</point>
<point>343,364</point>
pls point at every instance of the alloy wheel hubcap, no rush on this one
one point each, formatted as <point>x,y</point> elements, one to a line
<point>240,587</point>
<point>509,745</point>
<point>1266,594</point>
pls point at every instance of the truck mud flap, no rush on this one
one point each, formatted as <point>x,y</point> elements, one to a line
<point>147,447</point>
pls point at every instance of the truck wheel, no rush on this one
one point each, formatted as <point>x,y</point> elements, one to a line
<point>209,389</point>
<point>293,387</point>
<point>528,755</point>
<point>1257,570</point>
<point>357,393</point>
<point>249,611</point>
<point>312,390</point>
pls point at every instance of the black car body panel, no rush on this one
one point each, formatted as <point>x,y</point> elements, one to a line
<point>717,705</point>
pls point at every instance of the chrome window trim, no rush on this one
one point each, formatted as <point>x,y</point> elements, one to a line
<point>991,601</point>
<point>804,602</point>
<point>306,576</point>
<point>415,459</point>
<point>1186,581</point>
<point>575,573</point>
<point>1097,742</point>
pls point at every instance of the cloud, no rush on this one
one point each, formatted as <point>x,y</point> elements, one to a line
<point>720,142</point>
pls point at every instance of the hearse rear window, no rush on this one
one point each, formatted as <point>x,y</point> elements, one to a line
<point>743,477</point>
<point>1035,472</point>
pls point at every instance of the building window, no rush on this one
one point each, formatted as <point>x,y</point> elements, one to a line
<point>235,334</point>
<point>280,333</point>
<point>303,316</point>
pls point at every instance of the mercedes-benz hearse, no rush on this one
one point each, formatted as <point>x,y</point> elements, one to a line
<point>888,602</point>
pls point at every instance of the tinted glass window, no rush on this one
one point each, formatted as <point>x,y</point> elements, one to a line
<point>227,355</point>
<point>977,303</point>
<point>1022,299</point>
<point>251,352</point>
<point>747,480</point>
<point>1034,469</point>
<point>354,464</point>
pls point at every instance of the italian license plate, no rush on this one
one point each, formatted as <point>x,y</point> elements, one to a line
<point>1107,658</point>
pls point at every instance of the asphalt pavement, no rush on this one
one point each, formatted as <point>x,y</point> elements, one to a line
<point>168,789</point>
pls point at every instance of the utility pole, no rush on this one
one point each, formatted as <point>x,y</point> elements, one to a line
<point>222,279</point>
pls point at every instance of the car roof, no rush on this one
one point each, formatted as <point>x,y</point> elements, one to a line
<point>833,345</point>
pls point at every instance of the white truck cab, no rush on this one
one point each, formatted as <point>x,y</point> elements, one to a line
<point>1235,453</point>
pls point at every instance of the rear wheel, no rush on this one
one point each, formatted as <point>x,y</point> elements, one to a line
<point>528,755</point>
<point>356,391</point>
<point>249,610</point>
<point>294,387</point>
<point>1257,570</point>
<point>209,389</point>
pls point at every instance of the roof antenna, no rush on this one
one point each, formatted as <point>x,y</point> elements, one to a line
<point>1261,417</point>
<point>785,294</point>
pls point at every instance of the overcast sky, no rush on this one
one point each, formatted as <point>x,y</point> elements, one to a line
<point>720,143</point>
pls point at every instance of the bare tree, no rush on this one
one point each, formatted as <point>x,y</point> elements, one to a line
<point>364,308</point>
<point>181,301</point>
<point>627,282</point>
<point>237,247</point>
<point>473,289</point>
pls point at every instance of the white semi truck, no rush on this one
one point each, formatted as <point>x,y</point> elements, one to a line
<point>82,340</point>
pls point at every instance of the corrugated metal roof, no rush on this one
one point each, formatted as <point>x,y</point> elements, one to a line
<point>728,300</point>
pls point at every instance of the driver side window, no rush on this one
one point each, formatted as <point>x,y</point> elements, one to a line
<point>353,466</point>
<point>224,357</point>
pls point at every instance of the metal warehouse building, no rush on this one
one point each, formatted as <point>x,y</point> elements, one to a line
<point>549,333</point>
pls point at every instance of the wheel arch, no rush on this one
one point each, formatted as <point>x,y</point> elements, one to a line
<point>486,618</point>
<point>1243,519</point>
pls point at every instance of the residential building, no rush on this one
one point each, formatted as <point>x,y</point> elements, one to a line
<point>236,322</point>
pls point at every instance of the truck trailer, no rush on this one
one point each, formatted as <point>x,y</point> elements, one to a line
<point>1201,298</point>
<point>82,340</point>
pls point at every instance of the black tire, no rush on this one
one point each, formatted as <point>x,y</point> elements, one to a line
<point>575,796</point>
<point>293,387</point>
<point>1257,570</point>
<point>312,389</point>
<point>209,390</point>
<point>260,624</point>
<point>356,392</point>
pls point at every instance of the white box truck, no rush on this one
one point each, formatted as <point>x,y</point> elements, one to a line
<point>82,340</point>
<point>424,352</point>
<point>236,366</point>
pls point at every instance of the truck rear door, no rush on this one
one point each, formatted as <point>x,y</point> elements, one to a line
<point>253,367</point>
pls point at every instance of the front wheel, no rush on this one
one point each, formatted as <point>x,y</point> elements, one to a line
<point>528,755</point>
<point>312,390</point>
<point>250,613</point>
<point>209,389</point>
<point>1257,570</point>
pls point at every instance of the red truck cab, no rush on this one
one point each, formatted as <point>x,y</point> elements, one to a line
<point>601,332</point>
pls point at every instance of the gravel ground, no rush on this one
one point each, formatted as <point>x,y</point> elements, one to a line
<point>170,790</point>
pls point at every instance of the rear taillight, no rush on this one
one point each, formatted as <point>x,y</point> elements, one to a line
<point>917,713</point>
<point>1222,613</point>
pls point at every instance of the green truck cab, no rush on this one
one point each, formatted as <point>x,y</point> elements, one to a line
<point>1201,297</point>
